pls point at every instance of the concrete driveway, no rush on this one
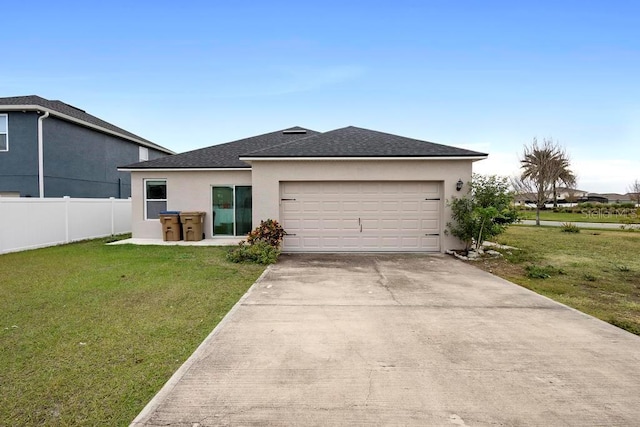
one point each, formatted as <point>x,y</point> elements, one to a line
<point>401,340</point>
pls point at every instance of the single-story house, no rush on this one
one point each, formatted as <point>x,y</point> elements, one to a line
<point>349,189</point>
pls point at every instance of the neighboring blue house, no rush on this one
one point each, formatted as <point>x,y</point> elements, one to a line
<point>52,149</point>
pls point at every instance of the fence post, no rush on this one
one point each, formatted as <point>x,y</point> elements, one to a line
<point>1,227</point>
<point>113,215</point>
<point>67,202</point>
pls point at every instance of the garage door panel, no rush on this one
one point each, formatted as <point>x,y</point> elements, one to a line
<point>410,206</point>
<point>370,206</point>
<point>410,224</point>
<point>332,224</point>
<point>390,206</point>
<point>371,242</point>
<point>386,224</point>
<point>331,207</point>
<point>370,188</point>
<point>351,207</point>
<point>430,205</point>
<point>361,216</point>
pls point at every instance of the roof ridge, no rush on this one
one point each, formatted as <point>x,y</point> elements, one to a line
<point>353,141</point>
<point>83,118</point>
<point>285,143</point>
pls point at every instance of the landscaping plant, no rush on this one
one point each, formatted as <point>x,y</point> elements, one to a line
<point>568,227</point>
<point>262,245</point>
<point>485,212</point>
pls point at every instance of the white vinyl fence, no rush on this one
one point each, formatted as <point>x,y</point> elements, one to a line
<point>27,223</point>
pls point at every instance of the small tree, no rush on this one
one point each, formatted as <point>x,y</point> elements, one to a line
<point>634,191</point>
<point>543,167</point>
<point>484,212</point>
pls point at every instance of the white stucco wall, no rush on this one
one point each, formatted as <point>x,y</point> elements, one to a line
<point>191,190</point>
<point>186,191</point>
<point>267,176</point>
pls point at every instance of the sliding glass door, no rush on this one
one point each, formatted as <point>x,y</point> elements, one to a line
<point>231,210</point>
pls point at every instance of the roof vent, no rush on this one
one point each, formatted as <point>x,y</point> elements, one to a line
<point>294,131</point>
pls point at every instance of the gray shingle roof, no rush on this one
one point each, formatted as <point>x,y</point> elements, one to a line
<point>224,155</point>
<point>34,101</point>
<point>358,142</point>
<point>346,142</point>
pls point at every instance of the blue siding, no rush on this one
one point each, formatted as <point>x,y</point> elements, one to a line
<point>19,165</point>
<point>78,161</point>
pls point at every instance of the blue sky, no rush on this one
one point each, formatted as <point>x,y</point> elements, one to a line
<point>488,75</point>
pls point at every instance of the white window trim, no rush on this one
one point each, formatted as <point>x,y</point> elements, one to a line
<point>144,190</point>
<point>6,116</point>
<point>143,154</point>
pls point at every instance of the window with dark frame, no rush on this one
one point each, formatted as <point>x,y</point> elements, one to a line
<point>232,210</point>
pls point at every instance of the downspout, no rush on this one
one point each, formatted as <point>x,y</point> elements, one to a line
<point>41,155</point>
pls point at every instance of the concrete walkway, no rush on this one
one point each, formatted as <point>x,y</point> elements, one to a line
<point>401,340</point>
<point>605,225</point>
<point>230,241</point>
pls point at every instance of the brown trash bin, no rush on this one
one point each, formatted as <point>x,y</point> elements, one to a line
<point>171,226</point>
<point>192,225</point>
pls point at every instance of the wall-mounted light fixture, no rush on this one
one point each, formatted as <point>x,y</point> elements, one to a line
<point>459,185</point>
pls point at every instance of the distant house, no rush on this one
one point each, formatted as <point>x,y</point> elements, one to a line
<point>569,195</point>
<point>348,189</point>
<point>611,198</point>
<point>49,148</point>
<point>563,195</point>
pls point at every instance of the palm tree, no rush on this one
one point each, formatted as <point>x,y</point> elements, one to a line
<point>560,173</point>
<point>543,166</point>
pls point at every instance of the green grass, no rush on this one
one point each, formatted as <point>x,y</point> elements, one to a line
<point>597,272</point>
<point>590,215</point>
<point>89,333</point>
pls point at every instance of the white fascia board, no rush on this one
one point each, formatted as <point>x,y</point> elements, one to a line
<point>83,123</point>
<point>298,159</point>
<point>181,169</point>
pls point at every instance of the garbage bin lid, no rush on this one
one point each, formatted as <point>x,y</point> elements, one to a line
<point>169,212</point>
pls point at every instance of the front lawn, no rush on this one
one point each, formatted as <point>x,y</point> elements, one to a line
<point>89,333</point>
<point>597,272</point>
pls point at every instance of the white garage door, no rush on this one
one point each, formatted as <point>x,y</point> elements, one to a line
<point>360,216</point>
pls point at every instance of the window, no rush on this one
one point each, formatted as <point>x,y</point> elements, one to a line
<point>4,132</point>
<point>155,198</point>
<point>143,154</point>
<point>231,210</point>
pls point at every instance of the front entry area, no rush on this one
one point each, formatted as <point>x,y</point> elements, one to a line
<point>361,216</point>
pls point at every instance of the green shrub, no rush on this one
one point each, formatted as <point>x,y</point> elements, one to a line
<point>262,245</point>
<point>483,213</point>
<point>257,253</point>
<point>269,231</point>
<point>568,227</point>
